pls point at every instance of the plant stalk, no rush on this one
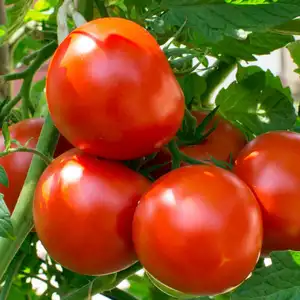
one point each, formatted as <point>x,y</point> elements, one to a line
<point>22,216</point>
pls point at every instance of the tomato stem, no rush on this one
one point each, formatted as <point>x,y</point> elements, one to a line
<point>27,76</point>
<point>44,157</point>
<point>22,216</point>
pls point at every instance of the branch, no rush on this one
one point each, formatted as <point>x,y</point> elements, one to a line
<point>22,216</point>
<point>44,157</point>
<point>43,55</point>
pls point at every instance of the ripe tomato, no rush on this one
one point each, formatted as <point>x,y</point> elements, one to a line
<point>224,142</point>
<point>17,164</point>
<point>270,165</point>
<point>111,91</point>
<point>83,210</point>
<point>198,230</point>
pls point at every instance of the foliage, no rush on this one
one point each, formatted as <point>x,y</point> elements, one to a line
<point>192,33</point>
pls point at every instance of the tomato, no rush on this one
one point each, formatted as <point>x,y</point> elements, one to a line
<point>83,210</point>
<point>198,230</point>
<point>270,165</point>
<point>225,142</point>
<point>17,164</point>
<point>111,91</point>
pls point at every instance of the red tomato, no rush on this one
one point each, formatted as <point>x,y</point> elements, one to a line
<point>17,164</point>
<point>225,141</point>
<point>111,91</point>
<point>270,165</point>
<point>83,210</point>
<point>198,230</point>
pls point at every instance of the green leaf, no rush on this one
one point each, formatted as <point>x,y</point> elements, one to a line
<point>193,87</point>
<point>3,177</point>
<point>3,31</point>
<point>281,280</point>
<point>216,18</point>
<point>16,14</point>
<point>291,27</point>
<point>257,43</point>
<point>294,49</point>
<point>6,135</point>
<point>6,227</point>
<point>257,102</point>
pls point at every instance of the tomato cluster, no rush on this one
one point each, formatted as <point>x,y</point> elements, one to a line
<point>198,229</point>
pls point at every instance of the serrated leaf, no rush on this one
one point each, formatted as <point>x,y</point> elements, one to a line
<point>6,227</point>
<point>3,177</point>
<point>281,280</point>
<point>294,49</point>
<point>6,135</point>
<point>258,104</point>
<point>215,19</point>
<point>257,43</point>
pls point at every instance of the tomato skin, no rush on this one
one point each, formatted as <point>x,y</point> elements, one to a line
<point>270,165</point>
<point>198,230</point>
<point>111,91</point>
<point>83,210</point>
<point>17,164</point>
<point>225,141</point>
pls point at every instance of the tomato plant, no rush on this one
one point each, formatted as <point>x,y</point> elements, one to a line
<point>83,210</point>
<point>17,164</point>
<point>114,108</point>
<point>269,165</point>
<point>223,142</point>
<point>145,89</point>
<point>198,230</point>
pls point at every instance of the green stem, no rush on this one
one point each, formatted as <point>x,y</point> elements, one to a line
<point>22,216</point>
<point>44,157</point>
<point>176,156</point>
<point>117,294</point>
<point>102,8</point>
<point>11,273</point>
<point>103,283</point>
<point>215,76</point>
<point>44,54</point>
<point>8,107</point>
<point>25,92</point>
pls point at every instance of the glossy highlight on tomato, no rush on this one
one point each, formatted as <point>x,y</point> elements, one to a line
<point>17,164</point>
<point>270,165</point>
<point>83,210</point>
<point>111,91</point>
<point>198,230</point>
